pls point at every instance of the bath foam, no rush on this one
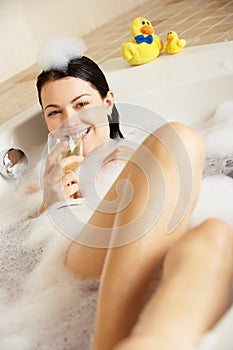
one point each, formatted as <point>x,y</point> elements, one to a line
<point>17,205</point>
<point>42,305</point>
<point>218,130</point>
<point>58,50</point>
<point>215,200</point>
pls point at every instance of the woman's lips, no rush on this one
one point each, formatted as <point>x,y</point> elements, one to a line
<point>85,132</point>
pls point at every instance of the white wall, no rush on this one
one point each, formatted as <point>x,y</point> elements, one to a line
<point>25,24</point>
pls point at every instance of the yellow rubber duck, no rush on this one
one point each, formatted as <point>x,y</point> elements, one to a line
<point>174,44</point>
<point>145,46</point>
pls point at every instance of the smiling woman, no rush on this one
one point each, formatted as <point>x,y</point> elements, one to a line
<point>140,212</point>
<point>90,89</point>
<point>63,94</point>
<point>63,98</point>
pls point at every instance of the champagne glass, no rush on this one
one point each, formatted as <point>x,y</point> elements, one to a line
<point>74,139</point>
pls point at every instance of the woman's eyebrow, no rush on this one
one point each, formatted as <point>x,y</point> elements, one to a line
<point>51,105</point>
<point>72,101</point>
<point>76,98</point>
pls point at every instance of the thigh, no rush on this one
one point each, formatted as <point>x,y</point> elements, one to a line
<point>155,192</point>
<point>152,222</point>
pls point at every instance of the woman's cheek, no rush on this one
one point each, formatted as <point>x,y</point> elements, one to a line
<point>88,142</point>
<point>94,138</point>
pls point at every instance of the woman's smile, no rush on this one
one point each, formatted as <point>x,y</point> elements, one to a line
<point>68,101</point>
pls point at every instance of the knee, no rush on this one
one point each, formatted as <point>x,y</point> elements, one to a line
<point>191,138</point>
<point>175,133</point>
<point>215,248</point>
<point>210,244</point>
<point>212,237</point>
<point>217,236</point>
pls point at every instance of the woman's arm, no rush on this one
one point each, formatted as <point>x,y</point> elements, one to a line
<point>121,153</point>
<point>87,261</point>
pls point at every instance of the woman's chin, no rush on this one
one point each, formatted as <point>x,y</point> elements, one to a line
<point>87,150</point>
<point>92,140</point>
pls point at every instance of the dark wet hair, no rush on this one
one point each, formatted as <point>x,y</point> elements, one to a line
<point>86,69</point>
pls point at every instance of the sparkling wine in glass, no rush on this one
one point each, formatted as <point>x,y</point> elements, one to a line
<point>74,139</point>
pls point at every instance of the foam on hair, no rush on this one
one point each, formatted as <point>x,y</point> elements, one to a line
<point>58,50</point>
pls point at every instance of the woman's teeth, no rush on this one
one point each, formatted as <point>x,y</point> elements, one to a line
<point>85,131</point>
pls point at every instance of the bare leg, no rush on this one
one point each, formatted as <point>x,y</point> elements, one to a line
<point>194,292</point>
<point>129,269</point>
<point>169,142</point>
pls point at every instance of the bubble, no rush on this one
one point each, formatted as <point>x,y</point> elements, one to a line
<point>42,305</point>
<point>58,50</point>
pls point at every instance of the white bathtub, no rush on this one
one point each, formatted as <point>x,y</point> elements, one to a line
<point>27,132</point>
<point>185,87</point>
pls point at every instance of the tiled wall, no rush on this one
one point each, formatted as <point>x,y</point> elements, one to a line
<point>25,24</point>
<point>198,21</point>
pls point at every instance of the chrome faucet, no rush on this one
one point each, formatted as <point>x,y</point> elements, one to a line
<point>13,163</point>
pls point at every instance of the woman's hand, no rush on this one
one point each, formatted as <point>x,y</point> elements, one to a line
<point>121,153</point>
<point>57,185</point>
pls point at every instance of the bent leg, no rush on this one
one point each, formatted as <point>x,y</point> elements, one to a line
<point>129,268</point>
<point>194,292</point>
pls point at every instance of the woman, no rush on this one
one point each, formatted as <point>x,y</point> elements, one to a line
<point>130,313</point>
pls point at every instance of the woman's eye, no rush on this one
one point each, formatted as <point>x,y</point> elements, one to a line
<point>81,104</point>
<point>53,113</point>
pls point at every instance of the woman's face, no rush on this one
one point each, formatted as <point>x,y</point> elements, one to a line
<point>63,98</point>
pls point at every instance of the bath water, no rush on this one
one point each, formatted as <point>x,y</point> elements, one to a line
<point>42,305</point>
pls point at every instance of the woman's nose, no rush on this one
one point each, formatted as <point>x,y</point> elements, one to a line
<point>70,118</point>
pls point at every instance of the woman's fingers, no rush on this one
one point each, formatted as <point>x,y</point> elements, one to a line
<point>70,185</point>
<point>58,186</point>
<point>55,156</point>
<point>53,173</point>
<point>69,178</point>
<point>123,153</point>
<point>71,160</point>
<point>70,191</point>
